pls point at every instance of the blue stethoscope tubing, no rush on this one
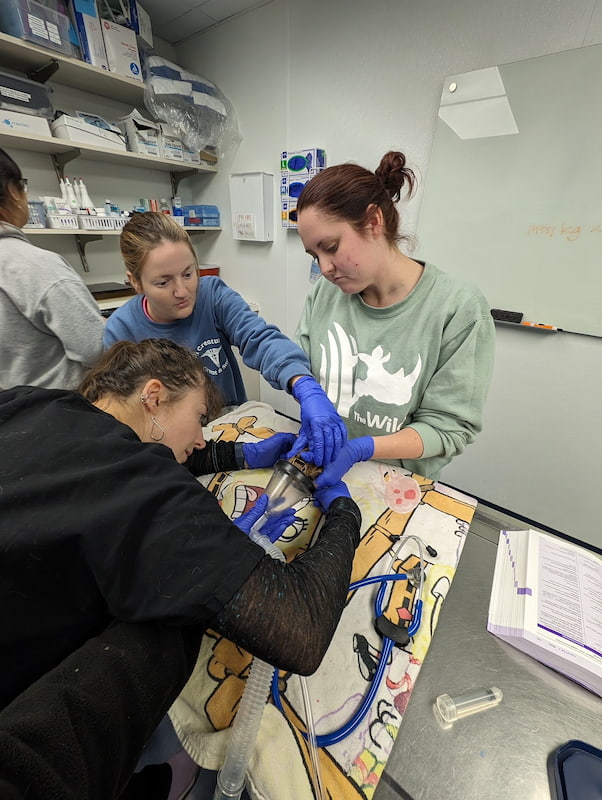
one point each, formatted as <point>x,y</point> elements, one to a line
<point>327,739</point>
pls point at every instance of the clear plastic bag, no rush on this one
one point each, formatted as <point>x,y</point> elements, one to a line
<point>202,116</point>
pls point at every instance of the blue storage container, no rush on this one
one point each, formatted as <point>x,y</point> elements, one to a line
<point>201,215</point>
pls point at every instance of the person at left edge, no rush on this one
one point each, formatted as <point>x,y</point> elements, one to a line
<point>207,316</point>
<point>50,325</point>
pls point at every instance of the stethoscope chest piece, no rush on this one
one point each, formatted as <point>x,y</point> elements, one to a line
<point>399,634</point>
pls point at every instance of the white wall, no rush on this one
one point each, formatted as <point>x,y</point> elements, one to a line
<point>358,79</point>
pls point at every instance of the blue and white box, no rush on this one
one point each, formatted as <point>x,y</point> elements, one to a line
<point>297,168</point>
<point>87,23</point>
<point>299,162</point>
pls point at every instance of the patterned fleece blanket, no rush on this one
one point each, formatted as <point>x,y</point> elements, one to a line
<point>395,504</point>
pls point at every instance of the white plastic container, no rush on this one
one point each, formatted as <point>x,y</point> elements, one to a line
<point>66,222</point>
<point>96,223</point>
<point>75,129</point>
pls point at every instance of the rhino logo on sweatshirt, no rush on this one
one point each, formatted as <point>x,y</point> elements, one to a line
<point>349,375</point>
<point>383,386</point>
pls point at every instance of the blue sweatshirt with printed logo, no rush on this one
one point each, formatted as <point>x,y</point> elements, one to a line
<point>221,319</point>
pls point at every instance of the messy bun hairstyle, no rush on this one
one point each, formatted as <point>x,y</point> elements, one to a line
<point>345,192</point>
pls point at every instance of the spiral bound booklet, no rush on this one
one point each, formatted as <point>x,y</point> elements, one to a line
<point>546,600</point>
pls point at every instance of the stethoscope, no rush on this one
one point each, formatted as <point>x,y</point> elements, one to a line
<point>393,634</point>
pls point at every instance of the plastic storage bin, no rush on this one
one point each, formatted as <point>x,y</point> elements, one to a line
<point>201,215</point>
<point>36,23</point>
<point>37,214</point>
<point>89,222</point>
<point>24,96</point>
<point>65,222</point>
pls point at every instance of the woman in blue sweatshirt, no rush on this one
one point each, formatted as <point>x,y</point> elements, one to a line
<point>210,318</point>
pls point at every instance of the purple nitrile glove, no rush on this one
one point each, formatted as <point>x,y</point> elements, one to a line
<point>276,524</point>
<point>246,521</point>
<point>273,527</point>
<point>266,452</point>
<point>321,426</point>
<point>324,496</point>
<point>361,449</point>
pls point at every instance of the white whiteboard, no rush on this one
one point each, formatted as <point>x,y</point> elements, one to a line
<point>516,206</point>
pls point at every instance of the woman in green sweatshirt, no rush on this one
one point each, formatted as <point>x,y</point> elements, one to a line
<point>404,351</point>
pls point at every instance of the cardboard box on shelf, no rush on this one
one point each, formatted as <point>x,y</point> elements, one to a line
<point>132,15</point>
<point>88,25</point>
<point>190,156</point>
<point>208,155</point>
<point>170,143</point>
<point>77,130</point>
<point>15,122</point>
<point>142,134</point>
<point>122,50</point>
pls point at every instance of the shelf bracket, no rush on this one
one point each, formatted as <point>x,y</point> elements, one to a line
<point>81,242</point>
<point>176,177</point>
<point>60,160</point>
<point>44,73</point>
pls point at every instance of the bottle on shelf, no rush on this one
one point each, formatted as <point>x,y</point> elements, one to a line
<point>71,200</point>
<point>85,199</point>
<point>77,193</point>
<point>178,211</point>
<point>62,188</point>
<point>164,206</point>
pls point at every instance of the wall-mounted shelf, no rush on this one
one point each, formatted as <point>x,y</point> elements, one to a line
<point>83,237</point>
<point>66,151</point>
<point>99,235</point>
<point>42,65</point>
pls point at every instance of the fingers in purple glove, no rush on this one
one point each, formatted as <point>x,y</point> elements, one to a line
<point>299,444</point>
<point>246,521</point>
<point>275,526</point>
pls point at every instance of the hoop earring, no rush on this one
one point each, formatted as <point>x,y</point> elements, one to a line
<point>156,438</point>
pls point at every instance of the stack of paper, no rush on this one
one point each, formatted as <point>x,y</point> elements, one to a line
<point>546,600</point>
